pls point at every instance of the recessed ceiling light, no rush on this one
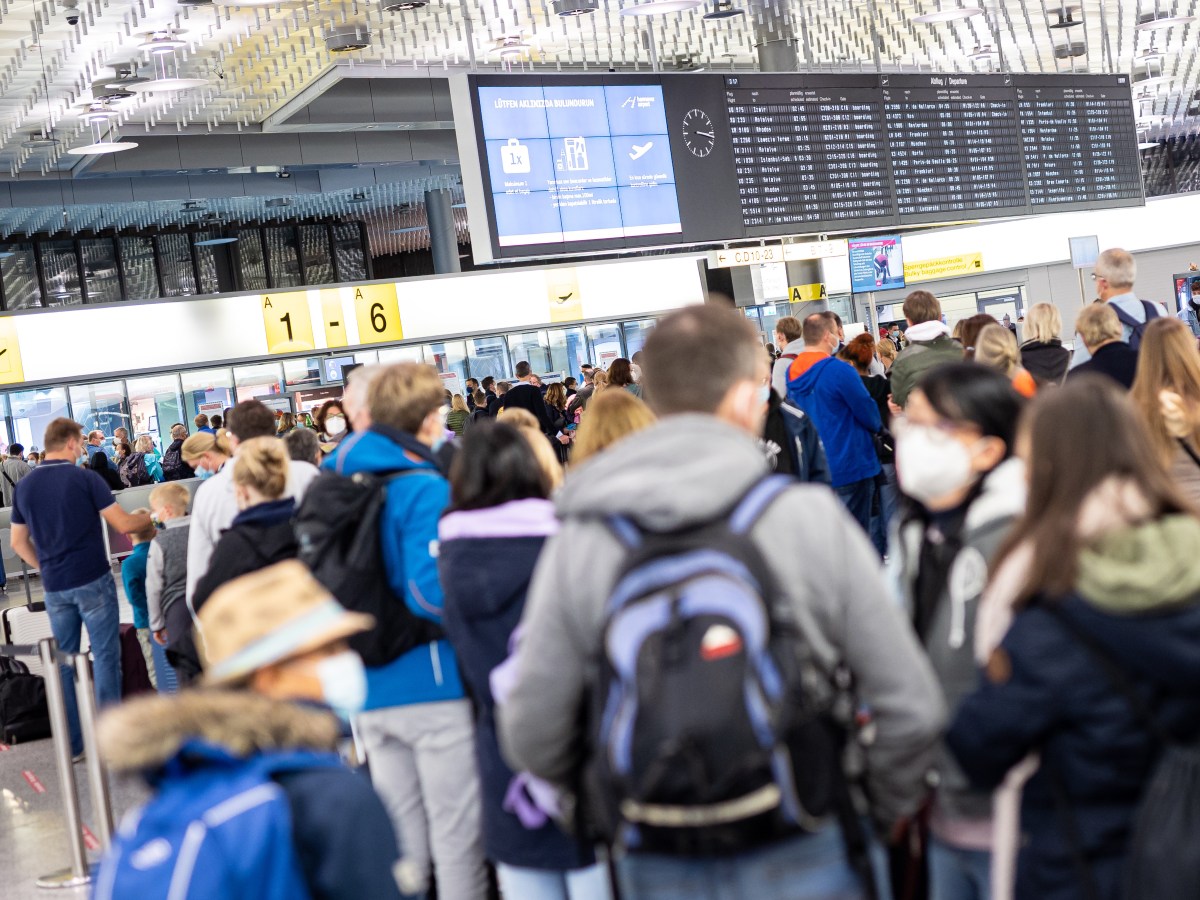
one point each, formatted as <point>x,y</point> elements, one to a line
<point>101,147</point>
<point>723,9</point>
<point>1152,21</point>
<point>411,230</point>
<point>948,14</point>
<point>660,7</point>
<point>213,242</point>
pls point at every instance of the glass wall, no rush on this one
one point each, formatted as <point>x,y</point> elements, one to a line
<point>101,278</point>
<point>251,261</point>
<point>155,404</point>
<point>32,411</point>
<point>488,356</point>
<point>139,268</point>
<point>604,343</point>
<point>411,353</point>
<point>60,273</point>
<point>450,359</point>
<point>349,259</point>
<point>301,372</point>
<point>205,391</point>
<point>636,333</point>
<point>206,265</point>
<point>284,255</point>
<point>531,347</point>
<point>568,351</point>
<point>22,290</point>
<point>318,257</point>
<point>261,380</point>
<point>100,406</point>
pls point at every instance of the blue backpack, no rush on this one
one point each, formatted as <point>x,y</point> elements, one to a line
<point>712,728</point>
<point>220,829</point>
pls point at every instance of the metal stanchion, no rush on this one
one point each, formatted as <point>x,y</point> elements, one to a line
<point>78,873</point>
<point>97,778</point>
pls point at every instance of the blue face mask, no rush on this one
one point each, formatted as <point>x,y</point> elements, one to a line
<point>764,393</point>
<point>203,474</point>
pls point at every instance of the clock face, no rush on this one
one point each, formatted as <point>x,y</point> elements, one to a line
<point>699,136</point>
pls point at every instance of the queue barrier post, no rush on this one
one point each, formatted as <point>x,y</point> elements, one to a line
<point>97,777</point>
<point>78,873</point>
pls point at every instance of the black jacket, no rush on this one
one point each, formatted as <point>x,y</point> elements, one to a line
<point>526,396</point>
<point>259,537</point>
<point>100,464</point>
<point>1116,360</point>
<point>173,466</point>
<point>1046,361</point>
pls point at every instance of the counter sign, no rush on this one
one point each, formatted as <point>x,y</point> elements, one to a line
<point>11,369</point>
<point>378,313</point>
<point>288,322</point>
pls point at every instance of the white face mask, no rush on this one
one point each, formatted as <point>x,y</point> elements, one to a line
<point>343,683</point>
<point>335,425</point>
<point>931,463</point>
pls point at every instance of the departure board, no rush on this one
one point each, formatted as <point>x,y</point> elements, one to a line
<point>556,164</point>
<point>1074,132</point>
<point>808,152</point>
<point>955,145</point>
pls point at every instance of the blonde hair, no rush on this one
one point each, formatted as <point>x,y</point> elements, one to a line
<point>458,404</point>
<point>886,350</point>
<point>609,417</point>
<point>202,442</point>
<point>599,380</point>
<point>144,444</point>
<point>1167,361</point>
<point>1043,323</point>
<point>172,494</point>
<point>996,348</point>
<point>1097,324</point>
<point>262,463</point>
<point>404,394</point>
<point>526,423</point>
<point>147,533</point>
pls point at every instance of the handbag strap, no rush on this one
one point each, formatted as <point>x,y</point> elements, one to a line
<point>1187,448</point>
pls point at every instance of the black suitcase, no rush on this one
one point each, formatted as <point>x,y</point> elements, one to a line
<point>24,715</point>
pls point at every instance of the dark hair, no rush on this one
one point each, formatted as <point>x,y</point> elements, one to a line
<point>1080,435</point>
<point>16,449</point>
<point>723,338</point>
<point>523,369</point>
<point>816,327</point>
<point>487,382</point>
<point>215,422</point>
<point>570,381</point>
<point>303,445</point>
<point>494,465</point>
<point>480,398</point>
<point>970,332</point>
<point>620,373</point>
<point>860,352</point>
<point>250,419</point>
<point>967,394</point>
<point>474,381</point>
<point>922,306</point>
<point>833,317</point>
<point>323,412</point>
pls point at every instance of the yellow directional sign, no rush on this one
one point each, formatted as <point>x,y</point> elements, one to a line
<point>943,267</point>
<point>566,303</point>
<point>288,322</point>
<point>11,369</point>
<point>805,293</point>
<point>334,317</point>
<point>378,313</point>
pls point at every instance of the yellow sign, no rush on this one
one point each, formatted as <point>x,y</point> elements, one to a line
<point>806,293</point>
<point>288,322</point>
<point>11,369</point>
<point>566,304</point>
<point>378,313</point>
<point>334,318</point>
<point>945,267</point>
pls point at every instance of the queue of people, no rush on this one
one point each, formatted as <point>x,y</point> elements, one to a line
<point>676,666</point>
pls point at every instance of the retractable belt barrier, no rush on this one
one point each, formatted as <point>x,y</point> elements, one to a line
<point>78,873</point>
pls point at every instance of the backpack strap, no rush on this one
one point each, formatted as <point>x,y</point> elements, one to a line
<point>1151,310</point>
<point>752,506</point>
<point>788,355</point>
<point>625,531</point>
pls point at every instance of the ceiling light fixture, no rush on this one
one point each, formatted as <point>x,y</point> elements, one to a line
<point>1070,51</point>
<point>948,12</point>
<point>104,91</point>
<point>347,38</point>
<point>126,77</point>
<point>512,47</point>
<point>723,9</point>
<point>402,5</point>
<point>39,142</point>
<point>162,42</point>
<point>660,7</point>
<point>97,112</point>
<point>568,9</point>
<point>99,145</point>
<point>982,52</point>
<point>166,76</point>
<point>214,242</point>
<point>1153,21</point>
<point>411,230</point>
<point>1066,18</point>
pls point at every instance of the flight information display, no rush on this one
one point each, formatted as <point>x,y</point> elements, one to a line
<point>568,164</point>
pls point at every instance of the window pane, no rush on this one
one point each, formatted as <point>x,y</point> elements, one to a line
<point>318,262</point>
<point>348,248</point>
<point>605,343</point>
<point>411,353</point>
<point>367,357</point>
<point>206,262</point>
<point>205,391</point>
<point>155,404</point>
<point>568,351</point>
<point>251,266</point>
<point>178,273</point>
<point>488,356</point>
<point>637,332</point>
<point>100,270</point>
<point>258,381</point>
<point>531,347</point>
<point>137,263</point>
<point>5,436</point>
<point>99,406</point>
<point>447,357</point>
<point>302,372</point>
<point>60,271</point>
<point>32,411</point>
<point>21,287</point>
<point>285,257</point>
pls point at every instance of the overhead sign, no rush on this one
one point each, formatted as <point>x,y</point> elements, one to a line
<point>746,256</point>
<point>12,370</point>
<point>815,250</point>
<point>806,293</point>
<point>378,313</point>
<point>288,322</point>
<point>943,267</point>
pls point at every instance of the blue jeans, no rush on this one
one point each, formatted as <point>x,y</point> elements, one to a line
<point>957,874</point>
<point>857,497</point>
<point>93,605</point>
<point>548,884</point>
<point>812,867</point>
<point>889,500</point>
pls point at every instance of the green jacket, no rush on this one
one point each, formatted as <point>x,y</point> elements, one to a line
<point>917,359</point>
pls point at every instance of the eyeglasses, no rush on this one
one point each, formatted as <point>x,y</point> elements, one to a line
<point>1096,277</point>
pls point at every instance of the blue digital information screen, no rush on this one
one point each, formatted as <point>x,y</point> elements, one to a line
<point>876,264</point>
<point>578,163</point>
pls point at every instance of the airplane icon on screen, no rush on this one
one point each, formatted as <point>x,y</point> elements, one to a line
<point>638,152</point>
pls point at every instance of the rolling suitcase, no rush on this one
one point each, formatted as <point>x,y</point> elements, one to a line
<point>26,625</point>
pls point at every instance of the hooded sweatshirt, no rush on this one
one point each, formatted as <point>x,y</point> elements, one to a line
<point>684,471</point>
<point>833,395</point>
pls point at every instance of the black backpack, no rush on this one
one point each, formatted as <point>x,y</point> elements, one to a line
<point>713,729</point>
<point>1136,328</point>
<point>24,715</point>
<point>173,466</point>
<point>134,472</point>
<point>337,528</point>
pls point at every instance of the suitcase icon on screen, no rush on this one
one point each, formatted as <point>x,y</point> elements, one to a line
<point>514,157</point>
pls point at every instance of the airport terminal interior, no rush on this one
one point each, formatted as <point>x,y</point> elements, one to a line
<point>210,202</point>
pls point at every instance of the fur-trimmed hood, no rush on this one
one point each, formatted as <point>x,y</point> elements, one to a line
<point>147,732</point>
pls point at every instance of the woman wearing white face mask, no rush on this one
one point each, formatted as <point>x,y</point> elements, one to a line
<point>964,489</point>
<point>254,749</point>
<point>331,422</point>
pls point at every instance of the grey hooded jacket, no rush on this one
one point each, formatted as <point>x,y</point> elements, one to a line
<point>690,469</point>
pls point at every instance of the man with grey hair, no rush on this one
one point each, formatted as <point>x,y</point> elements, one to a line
<point>354,400</point>
<point>1114,274</point>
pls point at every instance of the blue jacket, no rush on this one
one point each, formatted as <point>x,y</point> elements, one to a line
<point>834,397</point>
<point>133,576</point>
<point>486,561</point>
<point>426,674</point>
<point>1045,692</point>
